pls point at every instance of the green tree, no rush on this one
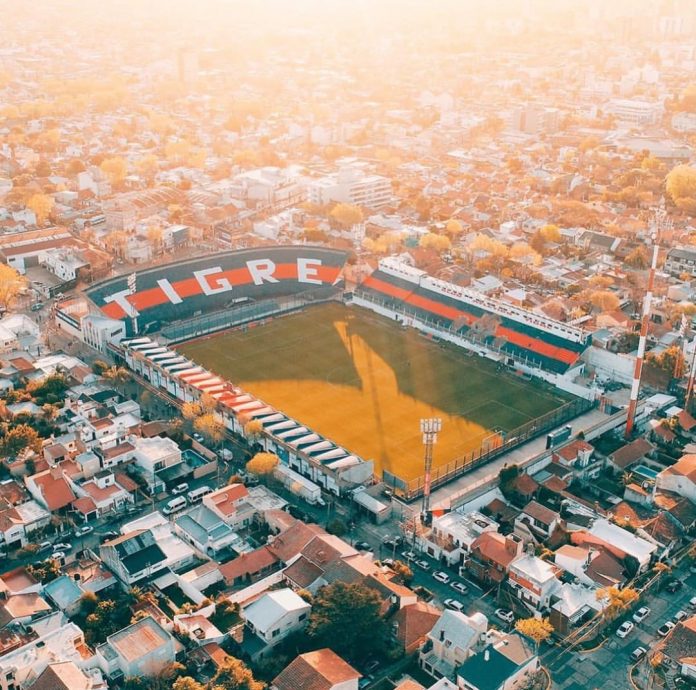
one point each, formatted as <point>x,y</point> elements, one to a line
<point>346,618</point>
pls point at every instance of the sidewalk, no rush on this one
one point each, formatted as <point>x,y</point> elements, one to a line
<point>443,497</point>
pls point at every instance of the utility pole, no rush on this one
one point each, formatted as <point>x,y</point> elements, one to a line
<point>429,428</point>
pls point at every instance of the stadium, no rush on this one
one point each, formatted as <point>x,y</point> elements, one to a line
<point>338,378</point>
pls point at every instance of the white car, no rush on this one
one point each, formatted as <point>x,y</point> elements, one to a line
<point>81,531</point>
<point>441,577</point>
<point>665,629</point>
<point>453,605</point>
<point>641,614</point>
<point>505,615</point>
<point>459,587</point>
<point>57,556</point>
<point>624,629</point>
<point>180,489</point>
<point>679,616</point>
<point>692,602</point>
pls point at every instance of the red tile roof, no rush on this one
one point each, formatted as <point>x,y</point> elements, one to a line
<point>248,564</point>
<point>320,670</point>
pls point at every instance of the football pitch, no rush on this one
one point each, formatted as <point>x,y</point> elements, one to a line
<point>364,382</point>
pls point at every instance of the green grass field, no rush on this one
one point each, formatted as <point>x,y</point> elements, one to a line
<point>363,382</point>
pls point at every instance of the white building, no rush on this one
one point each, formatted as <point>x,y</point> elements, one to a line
<point>153,455</point>
<point>635,111</point>
<point>351,185</point>
<point>276,614</point>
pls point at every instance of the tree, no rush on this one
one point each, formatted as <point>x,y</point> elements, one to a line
<point>604,300</point>
<point>453,228</point>
<point>18,438</point>
<point>41,205</point>
<point>346,618</point>
<point>191,410</point>
<point>537,629</point>
<point>207,403</point>
<point>99,366</point>
<point>115,169</point>
<point>11,284</point>
<point>681,182</point>
<point>550,233</point>
<point>521,251</point>
<point>616,600</point>
<point>118,376</point>
<point>336,526</point>
<point>253,428</point>
<point>439,243</point>
<point>147,166</point>
<point>234,675</point>
<point>209,427</point>
<point>403,571</point>
<point>638,258</point>
<point>346,215</point>
<point>262,463</point>
<point>187,683</point>
<point>670,360</point>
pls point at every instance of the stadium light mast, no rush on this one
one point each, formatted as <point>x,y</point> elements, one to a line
<point>429,428</point>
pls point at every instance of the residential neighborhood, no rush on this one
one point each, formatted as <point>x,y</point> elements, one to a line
<point>348,346</point>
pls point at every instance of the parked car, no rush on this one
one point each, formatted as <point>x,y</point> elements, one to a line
<point>692,602</point>
<point>61,546</point>
<point>362,546</point>
<point>441,576</point>
<point>85,529</point>
<point>665,629</point>
<point>641,614</point>
<point>638,653</point>
<point>680,616</point>
<point>674,585</point>
<point>423,565</point>
<point>505,615</point>
<point>180,489</point>
<point>108,535</point>
<point>624,629</point>
<point>459,586</point>
<point>37,306</point>
<point>453,605</point>
<point>371,666</point>
<point>197,437</point>
<point>409,555</point>
<point>58,556</point>
<point>45,546</point>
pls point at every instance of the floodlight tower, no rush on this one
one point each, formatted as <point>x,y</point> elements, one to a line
<point>429,428</point>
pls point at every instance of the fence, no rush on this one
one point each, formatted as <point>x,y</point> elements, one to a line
<point>500,443</point>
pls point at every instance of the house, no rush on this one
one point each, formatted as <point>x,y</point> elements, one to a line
<point>453,638</point>
<point>229,504</point>
<point>680,478</point>
<point>24,608</point>
<point>504,665</point>
<point>536,521</point>
<point>452,534</point>
<point>591,564</point>
<point>66,593</point>
<point>572,604</point>
<point>104,492</point>
<point>51,489</point>
<point>205,531</point>
<point>17,523</point>
<point>144,648</point>
<point>249,567</point>
<point>319,670</point>
<point>411,625</point>
<point>153,456</point>
<point>533,581</point>
<point>133,556</point>
<point>66,675</point>
<point>679,648</point>
<point>272,617</point>
<point>491,555</point>
<point>578,455</point>
<point>630,454</point>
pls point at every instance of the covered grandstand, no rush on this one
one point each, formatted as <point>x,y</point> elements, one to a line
<point>520,337</point>
<point>184,289</point>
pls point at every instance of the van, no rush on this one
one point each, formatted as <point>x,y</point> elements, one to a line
<point>174,505</point>
<point>196,495</point>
